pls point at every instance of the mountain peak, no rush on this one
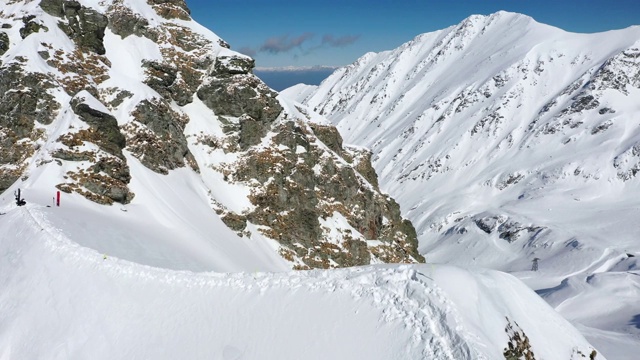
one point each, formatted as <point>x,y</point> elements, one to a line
<point>504,141</point>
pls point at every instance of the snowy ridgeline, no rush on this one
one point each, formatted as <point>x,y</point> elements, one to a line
<point>64,301</point>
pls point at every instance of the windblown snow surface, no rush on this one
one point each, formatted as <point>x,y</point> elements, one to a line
<point>506,140</point>
<point>60,300</point>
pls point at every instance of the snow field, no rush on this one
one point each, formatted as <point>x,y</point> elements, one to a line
<point>80,303</point>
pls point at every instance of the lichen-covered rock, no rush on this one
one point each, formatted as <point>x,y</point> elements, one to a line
<point>361,161</point>
<point>519,345</point>
<point>24,101</point>
<point>234,221</point>
<point>98,187</point>
<point>233,65</point>
<point>245,97</point>
<point>171,9</point>
<point>114,97</point>
<point>160,77</point>
<point>183,66</point>
<point>85,26</point>
<point>241,95</point>
<point>106,177</point>
<point>124,22</point>
<point>329,135</point>
<point>302,185</point>
<point>156,137</point>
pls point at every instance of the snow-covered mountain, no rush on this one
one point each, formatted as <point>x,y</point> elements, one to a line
<point>132,104</point>
<point>184,178</point>
<point>506,140</point>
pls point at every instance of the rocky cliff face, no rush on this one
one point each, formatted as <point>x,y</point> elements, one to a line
<point>92,91</point>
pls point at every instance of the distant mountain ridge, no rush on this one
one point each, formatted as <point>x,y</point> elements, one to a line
<point>506,140</point>
<point>295,68</point>
<point>481,107</point>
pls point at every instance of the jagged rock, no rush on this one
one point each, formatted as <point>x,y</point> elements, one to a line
<point>510,180</point>
<point>300,184</point>
<point>30,26</point>
<point>232,65</point>
<point>606,110</point>
<point>362,163</point>
<point>109,138</point>
<point>245,97</point>
<point>602,127</point>
<point>119,98</point>
<point>24,100</point>
<point>124,22</point>
<point>628,163</point>
<point>618,72</point>
<point>224,44</point>
<point>113,167</point>
<point>489,223</point>
<point>178,3</point>
<point>97,185</point>
<point>105,180</point>
<point>4,43</point>
<point>234,221</point>
<point>84,25</point>
<point>72,155</point>
<point>160,145</point>
<point>171,9</point>
<point>587,102</point>
<point>184,63</point>
<point>519,346</point>
<point>511,230</point>
<point>160,77</point>
<point>330,136</point>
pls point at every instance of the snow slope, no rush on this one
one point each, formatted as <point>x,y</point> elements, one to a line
<point>77,304</point>
<point>506,140</point>
<point>149,126</point>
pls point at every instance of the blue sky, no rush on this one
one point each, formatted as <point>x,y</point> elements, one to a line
<point>336,32</point>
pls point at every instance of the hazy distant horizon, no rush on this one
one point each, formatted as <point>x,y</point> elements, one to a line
<point>279,80</point>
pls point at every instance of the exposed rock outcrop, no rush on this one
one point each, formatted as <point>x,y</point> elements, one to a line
<point>171,9</point>
<point>30,26</point>
<point>106,177</point>
<point>233,92</point>
<point>4,43</point>
<point>298,186</point>
<point>83,25</point>
<point>124,22</point>
<point>24,102</point>
<point>156,137</point>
